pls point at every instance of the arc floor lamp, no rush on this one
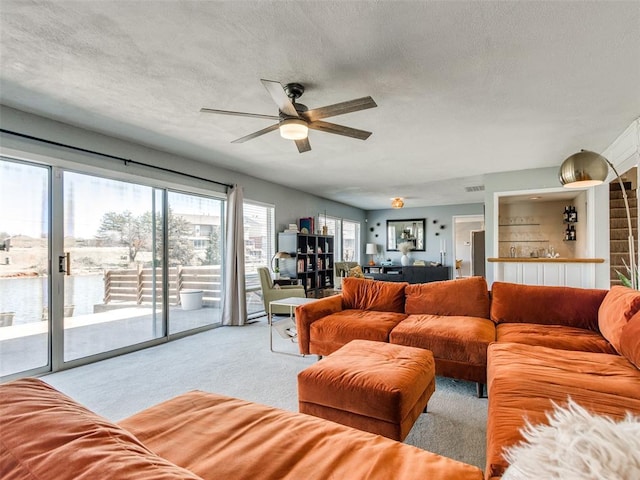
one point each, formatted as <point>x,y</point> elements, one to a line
<point>587,169</point>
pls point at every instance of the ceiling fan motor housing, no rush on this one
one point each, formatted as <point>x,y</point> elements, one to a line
<point>294,90</point>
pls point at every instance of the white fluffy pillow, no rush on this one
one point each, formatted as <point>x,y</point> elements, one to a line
<point>577,445</point>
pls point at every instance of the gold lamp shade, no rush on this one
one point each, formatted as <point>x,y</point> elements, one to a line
<point>279,256</point>
<point>583,169</point>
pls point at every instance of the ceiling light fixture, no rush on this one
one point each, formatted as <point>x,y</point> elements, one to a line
<point>587,169</point>
<point>397,202</point>
<point>294,129</point>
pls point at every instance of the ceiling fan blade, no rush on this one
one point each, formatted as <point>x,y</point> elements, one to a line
<point>303,145</point>
<point>340,108</point>
<point>239,114</point>
<point>276,91</point>
<point>340,130</point>
<point>257,134</point>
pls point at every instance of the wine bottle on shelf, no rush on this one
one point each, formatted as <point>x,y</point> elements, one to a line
<point>573,215</point>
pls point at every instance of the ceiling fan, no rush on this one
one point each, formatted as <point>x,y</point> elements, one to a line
<point>294,119</point>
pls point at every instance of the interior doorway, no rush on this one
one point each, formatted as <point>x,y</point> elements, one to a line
<point>466,249</point>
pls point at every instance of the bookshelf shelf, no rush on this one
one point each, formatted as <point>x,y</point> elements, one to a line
<point>312,259</point>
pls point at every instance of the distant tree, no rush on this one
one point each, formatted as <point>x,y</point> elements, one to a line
<point>212,255</point>
<point>130,231</point>
<point>135,232</point>
<point>180,246</point>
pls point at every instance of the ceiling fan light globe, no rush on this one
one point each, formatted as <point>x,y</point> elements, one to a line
<point>294,129</point>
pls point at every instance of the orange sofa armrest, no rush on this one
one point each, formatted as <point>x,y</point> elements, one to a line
<point>309,313</point>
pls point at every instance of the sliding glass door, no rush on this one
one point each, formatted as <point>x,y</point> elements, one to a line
<point>112,292</point>
<point>91,267</point>
<point>194,256</point>
<point>24,267</point>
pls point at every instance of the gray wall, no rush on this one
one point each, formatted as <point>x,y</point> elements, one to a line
<point>290,204</point>
<point>443,214</point>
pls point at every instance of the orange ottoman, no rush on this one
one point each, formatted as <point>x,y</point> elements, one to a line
<point>372,386</point>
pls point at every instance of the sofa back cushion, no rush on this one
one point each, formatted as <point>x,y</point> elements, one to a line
<point>617,308</point>
<point>44,434</point>
<point>544,305</point>
<point>362,294</point>
<point>467,297</point>
<point>630,340</point>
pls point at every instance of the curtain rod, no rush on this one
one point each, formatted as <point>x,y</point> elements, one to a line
<point>113,157</point>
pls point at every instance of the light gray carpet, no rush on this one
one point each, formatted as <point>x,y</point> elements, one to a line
<point>236,361</point>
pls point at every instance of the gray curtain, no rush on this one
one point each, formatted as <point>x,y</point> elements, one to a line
<point>234,307</point>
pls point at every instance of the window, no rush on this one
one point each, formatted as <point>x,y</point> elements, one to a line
<point>350,241</point>
<point>334,227</point>
<point>259,248</point>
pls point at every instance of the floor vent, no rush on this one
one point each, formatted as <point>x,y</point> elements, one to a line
<point>474,188</point>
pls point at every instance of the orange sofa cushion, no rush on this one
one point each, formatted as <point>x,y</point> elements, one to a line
<point>337,329</point>
<point>617,308</point>
<point>461,339</point>
<point>523,380</point>
<point>219,437</point>
<point>464,297</point>
<point>573,307</point>
<point>630,340</point>
<point>361,294</point>
<point>45,435</point>
<point>554,336</point>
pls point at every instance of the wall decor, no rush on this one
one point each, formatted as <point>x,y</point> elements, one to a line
<point>410,230</point>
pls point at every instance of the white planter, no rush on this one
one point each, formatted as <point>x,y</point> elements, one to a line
<point>405,260</point>
<point>191,299</point>
<point>6,319</point>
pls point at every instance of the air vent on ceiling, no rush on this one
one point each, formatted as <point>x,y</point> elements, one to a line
<point>474,188</point>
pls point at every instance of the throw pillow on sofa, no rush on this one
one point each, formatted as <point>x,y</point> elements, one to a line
<point>356,272</point>
<point>617,308</point>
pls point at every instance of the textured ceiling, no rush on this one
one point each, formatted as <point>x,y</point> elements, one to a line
<point>463,88</point>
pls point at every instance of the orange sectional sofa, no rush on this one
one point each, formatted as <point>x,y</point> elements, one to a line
<point>534,345</point>
<point>594,358</point>
<point>450,318</point>
<point>46,435</point>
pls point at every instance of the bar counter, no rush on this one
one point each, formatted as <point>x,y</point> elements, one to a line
<point>568,272</point>
<point>546,260</point>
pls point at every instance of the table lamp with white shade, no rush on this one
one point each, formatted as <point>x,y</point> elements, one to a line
<point>372,250</point>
